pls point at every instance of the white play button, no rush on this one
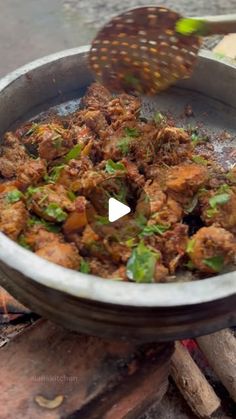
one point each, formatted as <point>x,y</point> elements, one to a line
<point>116,209</point>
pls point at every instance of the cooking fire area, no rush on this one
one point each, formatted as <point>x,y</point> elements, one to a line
<point>49,372</point>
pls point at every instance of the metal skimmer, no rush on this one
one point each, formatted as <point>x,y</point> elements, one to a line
<point>141,51</point>
<point>145,50</point>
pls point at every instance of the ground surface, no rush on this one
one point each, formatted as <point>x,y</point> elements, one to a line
<point>30,29</point>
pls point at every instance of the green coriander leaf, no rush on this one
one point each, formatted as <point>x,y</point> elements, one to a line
<point>22,242</point>
<point>112,167</point>
<point>189,26</point>
<point>202,191</point>
<point>71,195</point>
<point>231,176</point>
<point>190,265</point>
<point>46,224</point>
<point>57,141</point>
<point>141,264</point>
<point>44,198</point>
<point>223,188</point>
<point>159,118</point>
<point>130,243</point>
<point>131,132</point>
<point>220,199</point>
<point>219,55</point>
<point>102,220</point>
<point>197,138</point>
<point>216,263</point>
<point>32,129</point>
<point>194,137</point>
<point>74,153</point>
<point>34,221</point>
<point>132,81</point>
<point>192,129</point>
<point>54,174</point>
<point>32,190</point>
<point>141,221</point>
<point>190,246</point>
<point>188,209</point>
<point>84,267</point>
<point>55,211</point>
<point>124,145</point>
<point>58,130</point>
<point>122,194</point>
<point>51,227</point>
<point>13,196</point>
<point>211,212</point>
<point>200,160</point>
<point>149,230</point>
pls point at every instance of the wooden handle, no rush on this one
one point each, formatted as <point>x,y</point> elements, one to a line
<point>218,25</point>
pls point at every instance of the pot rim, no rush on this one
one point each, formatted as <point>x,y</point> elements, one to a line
<point>98,289</point>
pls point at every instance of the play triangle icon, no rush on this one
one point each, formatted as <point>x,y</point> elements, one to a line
<point>116,209</point>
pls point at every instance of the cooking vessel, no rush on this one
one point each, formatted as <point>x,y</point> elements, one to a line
<point>89,304</point>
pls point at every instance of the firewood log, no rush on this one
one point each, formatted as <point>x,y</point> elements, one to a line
<point>192,384</point>
<point>220,350</point>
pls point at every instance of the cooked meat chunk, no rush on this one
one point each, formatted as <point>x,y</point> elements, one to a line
<point>219,208</point>
<point>117,110</point>
<point>152,198</point>
<point>174,246</point>
<point>77,219</point>
<point>31,172</point>
<point>120,273</point>
<point>37,236</point>
<point>104,269</point>
<point>49,141</point>
<point>50,202</point>
<point>172,145</point>
<point>184,181</point>
<point>89,236</point>
<point>64,254</point>
<point>119,252</point>
<point>155,171</point>
<point>211,248</point>
<point>88,182</point>
<point>143,146</point>
<point>96,121</point>
<point>79,131</point>
<point>161,208</point>
<point>13,213</point>
<point>53,143</point>
<point>69,175</point>
<point>12,155</point>
<point>161,272</point>
<point>133,174</point>
<point>170,213</point>
<point>52,247</point>
<point>118,144</point>
<point>13,219</point>
<point>97,97</point>
<point>122,109</point>
<point>132,140</point>
<point>188,177</point>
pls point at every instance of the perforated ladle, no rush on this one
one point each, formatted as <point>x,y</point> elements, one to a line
<point>146,49</point>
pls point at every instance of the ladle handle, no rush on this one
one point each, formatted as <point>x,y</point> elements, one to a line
<point>218,25</point>
<point>207,25</point>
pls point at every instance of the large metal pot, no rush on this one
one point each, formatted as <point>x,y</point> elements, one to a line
<point>144,312</point>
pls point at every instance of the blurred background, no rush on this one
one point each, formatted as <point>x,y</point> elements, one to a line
<point>30,29</point>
